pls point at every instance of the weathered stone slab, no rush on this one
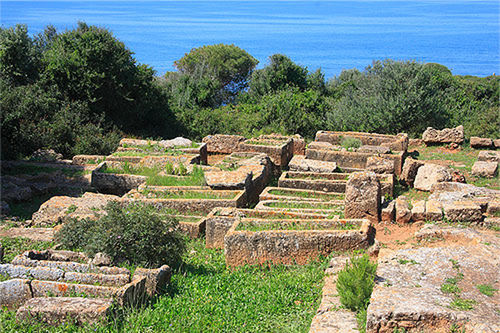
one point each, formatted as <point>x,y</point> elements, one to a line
<point>156,279</point>
<point>42,288</point>
<point>409,171</point>
<point>114,183</point>
<point>228,180</point>
<point>430,174</point>
<point>110,280</point>
<point>301,163</point>
<point>57,310</point>
<point>476,142</point>
<point>388,211</point>
<point>485,169</point>
<point>403,211</point>
<point>380,165</point>
<point>433,210</point>
<point>294,246</point>
<point>451,191</point>
<point>222,143</point>
<point>418,212</point>
<point>40,273</point>
<point>280,152</point>
<point>447,135</point>
<point>87,159</point>
<point>362,196</point>
<point>496,143</point>
<point>14,292</point>
<point>59,208</point>
<point>394,142</point>
<point>463,212</point>
<point>408,291</point>
<point>489,156</point>
<point>493,208</point>
<point>374,149</point>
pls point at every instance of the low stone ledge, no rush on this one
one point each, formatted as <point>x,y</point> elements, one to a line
<point>489,156</point>
<point>485,169</point>
<point>14,292</point>
<point>477,142</point>
<point>57,310</point>
<point>447,135</point>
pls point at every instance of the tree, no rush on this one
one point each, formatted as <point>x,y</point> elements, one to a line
<point>281,73</point>
<point>223,71</point>
<point>18,59</point>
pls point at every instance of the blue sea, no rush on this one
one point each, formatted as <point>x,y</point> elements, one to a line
<point>331,35</point>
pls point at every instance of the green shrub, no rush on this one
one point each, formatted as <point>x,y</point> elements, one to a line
<point>349,142</point>
<point>355,283</point>
<point>131,234</point>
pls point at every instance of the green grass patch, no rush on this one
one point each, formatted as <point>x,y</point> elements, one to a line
<point>462,304</point>
<point>486,289</point>
<point>268,226</point>
<point>195,178</point>
<point>303,205</point>
<point>28,169</point>
<point>15,246</point>
<point>182,194</point>
<point>465,156</point>
<point>263,143</point>
<point>304,194</point>
<point>25,209</point>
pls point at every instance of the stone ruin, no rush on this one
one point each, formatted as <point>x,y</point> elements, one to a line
<point>55,286</point>
<point>326,199</point>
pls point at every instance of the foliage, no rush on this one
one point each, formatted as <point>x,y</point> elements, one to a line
<point>132,234</point>
<point>355,283</point>
<point>15,246</point>
<point>350,142</point>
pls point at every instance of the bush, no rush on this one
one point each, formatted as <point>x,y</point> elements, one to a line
<point>132,234</point>
<point>349,142</point>
<point>355,283</point>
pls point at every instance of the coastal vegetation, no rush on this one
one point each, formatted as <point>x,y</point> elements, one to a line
<point>81,90</point>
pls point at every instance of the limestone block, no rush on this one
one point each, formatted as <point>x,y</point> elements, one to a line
<point>433,210</point>
<point>14,292</point>
<point>223,144</point>
<point>489,156</point>
<point>476,142</point>
<point>362,196</point>
<point>388,212</point>
<point>485,169</point>
<point>379,164</point>
<point>301,163</point>
<point>418,211</point>
<point>57,310</point>
<point>447,135</point>
<point>409,171</point>
<point>463,212</point>
<point>374,149</point>
<point>430,174</point>
<point>403,212</point>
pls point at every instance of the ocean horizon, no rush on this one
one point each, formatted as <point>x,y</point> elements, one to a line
<point>332,35</point>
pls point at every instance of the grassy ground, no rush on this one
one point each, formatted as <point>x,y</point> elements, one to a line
<point>304,194</point>
<point>188,194</point>
<point>303,205</point>
<point>14,246</point>
<point>26,169</point>
<point>251,226</point>
<point>205,296</point>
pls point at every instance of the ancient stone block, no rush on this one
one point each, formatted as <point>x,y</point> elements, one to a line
<point>40,273</point>
<point>114,183</point>
<point>403,211</point>
<point>447,135</point>
<point>393,142</point>
<point>88,159</point>
<point>43,288</point>
<point>14,292</point>
<point>293,246</point>
<point>493,208</point>
<point>485,169</point>
<point>280,152</point>
<point>489,156</point>
<point>373,149</point>
<point>59,208</point>
<point>476,142</point>
<point>379,165</point>
<point>57,310</point>
<point>301,163</point>
<point>430,174</point>
<point>156,279</point>
<point>496,143</point>
<point>463,212</point>
<point>110,280</point>
<point>409,171</point>
<point>228,180</point>
<point>433,210</point>
<point>362,196</point>
<point>388,212</point>
<point>418,212</point>
<point>222,144</point>
<point>133,293</point>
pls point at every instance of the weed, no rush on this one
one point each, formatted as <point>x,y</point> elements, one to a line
<point>462,304</point>
<point>15,246</point>
<point>304,205</point>
<point>486,289</point>
<point>304,194</point>
<point>351,143</point>
<point>355,283</point>
<point>252,226</point>
<point>71,209</point>
<point>405,261</point>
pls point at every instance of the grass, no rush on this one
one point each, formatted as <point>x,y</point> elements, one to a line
<point>263,143</point>
<point>303,205</point>
<point>195,178</point>
<point>304,194</point>
<point>170,211</point>
<point>316,177</point>
<point>181,194</point>
<point>205,296</point>
<point>466,156</point>
<point>266,226</point>
<point>486,289</point>
<point>15,246</point>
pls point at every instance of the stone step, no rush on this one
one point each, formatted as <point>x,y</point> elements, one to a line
<point>57,310</point>
<point>57,274</point>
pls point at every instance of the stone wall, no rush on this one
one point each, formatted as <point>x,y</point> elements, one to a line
<point>393,142</point>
